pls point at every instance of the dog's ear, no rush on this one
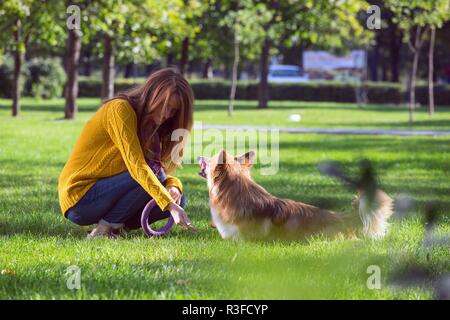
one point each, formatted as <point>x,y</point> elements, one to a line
<point>222,158</point>
<point>247,159</point>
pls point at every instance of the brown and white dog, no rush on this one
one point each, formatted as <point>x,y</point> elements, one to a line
<point>240,208</point>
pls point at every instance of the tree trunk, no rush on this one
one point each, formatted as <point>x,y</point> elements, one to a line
<point>253,74</point>
<point>293,55</point>
<point>395,61</point>
<point>412,90</point>
<point>384,69</point>
<point>394,48</point>
<point>169,59</point>
<point>72,59</point>
<point>412,87</point>
<point>207,69</point>
<point>375,57</point>
<point>18,61</point>
<point>263,88</point>
<point>149,69</point>
<point>108,68</point>
<point>360,86</point>
<point>431,71</point>
<point>184,55</point>
<point>87,63</point>
<point>234,75</point>
<point>226,71</point>
<point>300,57</point>
<point>128,72</point>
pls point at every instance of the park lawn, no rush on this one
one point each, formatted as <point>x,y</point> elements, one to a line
<point>37,244</point>
<point>313,114</point>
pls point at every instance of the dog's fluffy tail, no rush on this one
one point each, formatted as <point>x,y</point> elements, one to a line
<point>374,209</point>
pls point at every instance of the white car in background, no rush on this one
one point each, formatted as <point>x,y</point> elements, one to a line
<point>286,73</point>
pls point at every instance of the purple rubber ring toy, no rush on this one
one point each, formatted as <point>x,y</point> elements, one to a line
<point>144,221</point>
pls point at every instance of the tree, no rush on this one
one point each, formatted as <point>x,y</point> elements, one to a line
<point>76,32</point>
<point>109,21</point>
<point>387,46</point>
<point>437,14</point>
<point>416,17</point>
<point>431,70</point>
<point>192,11</point>
<point>212,45</point>
<point>245,20</point>
<point>72,58</point>
<point>215,45</point>
<point>136,31</point>
<point>22,21</point>
<point>325,22</point>
<point>130,31</point>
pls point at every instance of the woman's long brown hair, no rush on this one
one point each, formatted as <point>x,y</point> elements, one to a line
<point>152,98</point>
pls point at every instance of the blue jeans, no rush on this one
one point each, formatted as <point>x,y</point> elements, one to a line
<point>118,201</point>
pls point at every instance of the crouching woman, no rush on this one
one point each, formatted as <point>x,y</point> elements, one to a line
<point>124,154</point>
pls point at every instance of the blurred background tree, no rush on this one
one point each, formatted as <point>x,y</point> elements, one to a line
<point>218,41</point>
<point>416,18</point>
<point>23,22</point>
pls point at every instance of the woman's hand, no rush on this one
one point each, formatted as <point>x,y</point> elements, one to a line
<point>175,194</point>
<point>180,217</point>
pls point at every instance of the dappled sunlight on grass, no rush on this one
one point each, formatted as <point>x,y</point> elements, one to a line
<point>37,244</point>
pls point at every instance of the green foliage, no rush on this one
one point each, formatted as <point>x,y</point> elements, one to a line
<point>378,92</point>
<point>42,22</point>
<point>89,87</point>
<point>420,12</point>
<point>6,77</point>
<point>330,24</point>
<point>412,13</point>
<point>41,78</point>
<point>141,30</point>
<point>46,78</point>
<point>246,23</point>
<point>214,41</point>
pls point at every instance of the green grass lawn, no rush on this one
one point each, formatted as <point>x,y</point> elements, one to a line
<point>313,114</point>
<point>37,244</point>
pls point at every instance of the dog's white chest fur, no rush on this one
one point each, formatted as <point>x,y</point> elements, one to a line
<point>226,230</point>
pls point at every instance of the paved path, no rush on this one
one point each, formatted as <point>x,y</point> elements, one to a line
<point>331,130</point>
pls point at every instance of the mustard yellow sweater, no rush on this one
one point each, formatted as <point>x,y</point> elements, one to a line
<point>109,145</point>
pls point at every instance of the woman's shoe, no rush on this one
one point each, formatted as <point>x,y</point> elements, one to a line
<point>102,231</point>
